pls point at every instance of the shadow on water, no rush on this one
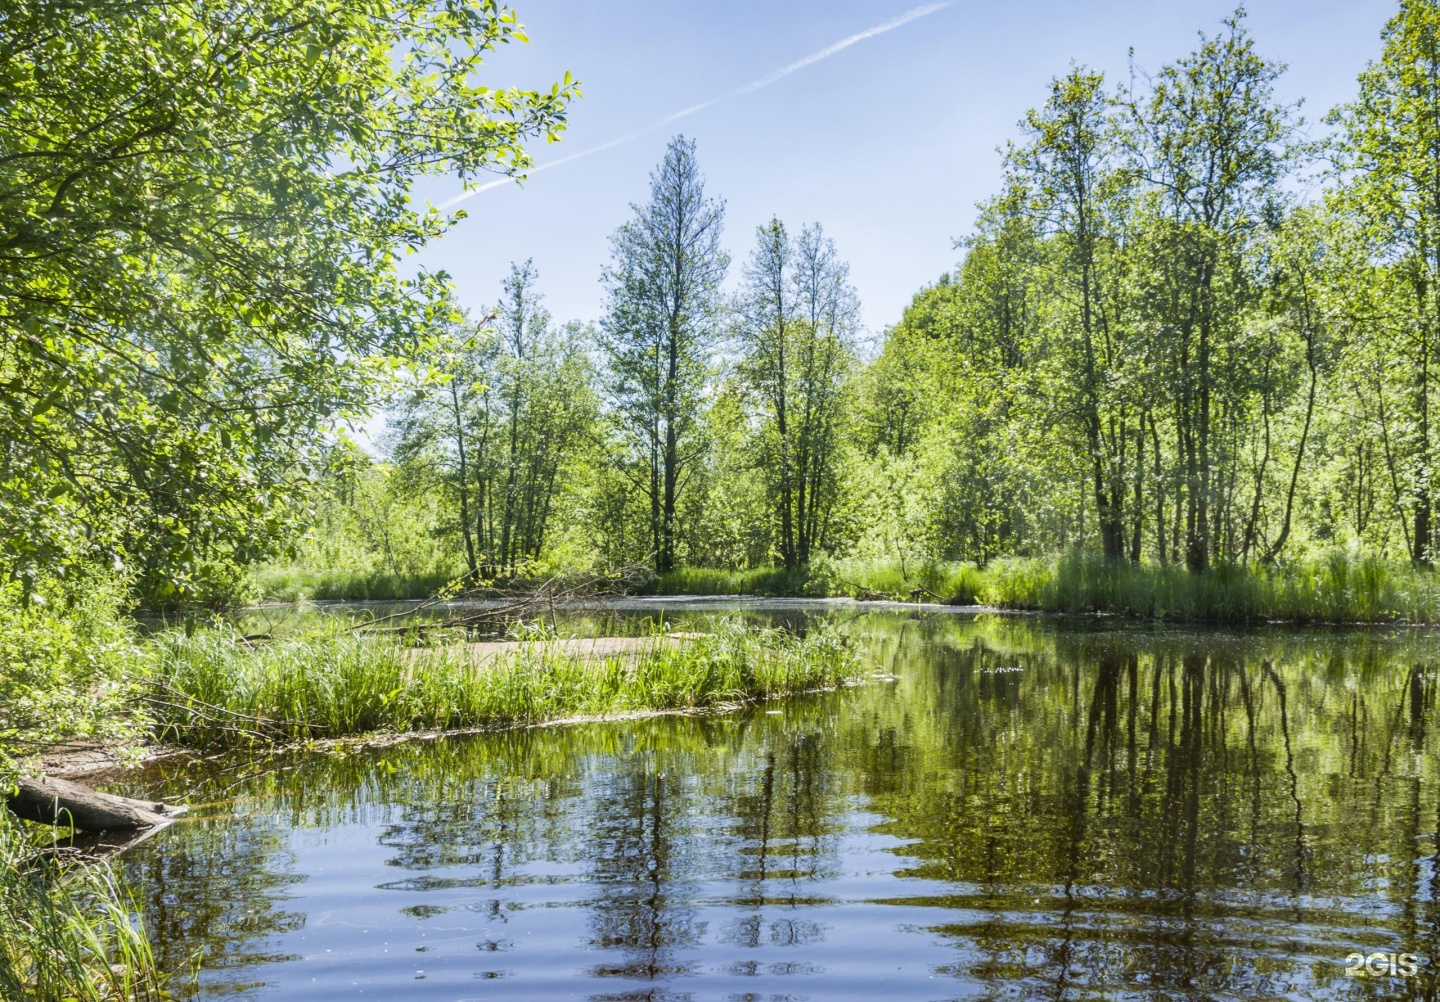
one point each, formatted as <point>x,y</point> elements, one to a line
<point>1034,809</point>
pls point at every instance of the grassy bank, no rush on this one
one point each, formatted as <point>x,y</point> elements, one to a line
<point>293,584</point>
<point>1336,588</point>
<point>1333,588</point>
<point>74,935</point>
<point>822,579</point>
<point>930,580</point>
<point>67,935</point>
<point>210,692</point>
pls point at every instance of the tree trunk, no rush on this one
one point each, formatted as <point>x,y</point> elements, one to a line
<point>464,479</point>
<point>671,458</point>
<point>1279,544</point>
<point>60,802</point>
<point>1197,554</point>
<point>1137,526</point>
<point>1423,555</point>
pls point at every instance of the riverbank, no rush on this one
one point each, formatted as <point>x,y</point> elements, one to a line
<point>209,692</point>
<point>1334,588</point>
<point>75,934</point>
<point>1337,588</point>
<point>68,934</point>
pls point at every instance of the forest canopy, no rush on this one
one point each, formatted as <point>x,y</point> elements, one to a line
<point>1184,331</point>
<point>202,210</point>
<point>1188,329</point>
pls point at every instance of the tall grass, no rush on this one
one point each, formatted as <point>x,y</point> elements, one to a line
<point>1334,588</point>
<point>952,581</point>
<point>293,584</point>
<point>209,692</point>
<point>68,934</point>
<point>927,580</point>
<point>750,581</point>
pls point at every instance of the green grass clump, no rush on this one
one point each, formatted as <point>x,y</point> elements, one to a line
<point>209,691</point>
<point>293,584</point>
<point>752,581</point>
<point>926,580</point>
<point>68,934</point>
<point>1333,588</point>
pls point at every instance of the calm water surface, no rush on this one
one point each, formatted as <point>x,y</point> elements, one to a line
<point>1034,809</point>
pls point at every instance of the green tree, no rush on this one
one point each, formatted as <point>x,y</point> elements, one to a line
<point>662,322</point>
<point>445,426</point>
<point>895,399</point>
<point>799,313</point>
<point>501,414</point>
<point>1388,158</point>
<point>546,383</point>
<point>202,210</point>
<point>1212,143</point>
<point>1069,175</point>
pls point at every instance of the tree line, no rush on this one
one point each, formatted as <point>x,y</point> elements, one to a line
<point>1187,332</point>
<point>1183,331</point>
<point>1189,328</point>
<point>686,426</point>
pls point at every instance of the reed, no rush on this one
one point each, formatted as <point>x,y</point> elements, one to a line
<point>68,934</point>
<point>1332,588</point>
<point>294,584</point>
<point>207,691</point>
<point>751,581</point>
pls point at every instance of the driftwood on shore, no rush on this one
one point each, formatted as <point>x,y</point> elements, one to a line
<point>61,802</point>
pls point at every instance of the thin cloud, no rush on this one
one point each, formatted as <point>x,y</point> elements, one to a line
<point>749,88</point>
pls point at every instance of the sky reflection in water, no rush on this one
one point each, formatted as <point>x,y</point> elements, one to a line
<point>1034,809</point>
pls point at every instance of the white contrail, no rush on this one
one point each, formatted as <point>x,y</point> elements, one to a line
<point>749,88</point>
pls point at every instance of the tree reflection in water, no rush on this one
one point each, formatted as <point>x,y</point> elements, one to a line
<point>1033,809</point>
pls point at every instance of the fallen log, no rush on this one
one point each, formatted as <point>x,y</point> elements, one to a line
<point>61,802</point>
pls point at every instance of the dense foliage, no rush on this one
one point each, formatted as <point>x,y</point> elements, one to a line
<point>202,209</point>
<point>1184,332</point>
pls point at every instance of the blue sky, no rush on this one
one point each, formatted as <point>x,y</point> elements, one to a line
<point>889,143</point>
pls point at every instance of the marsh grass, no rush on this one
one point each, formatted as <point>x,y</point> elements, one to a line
<point>68,934</point>
<point>210,692</point>
<point>294,584</point>
<point>1333,588</point>
<point>926,580</point>
<point>753,581</point>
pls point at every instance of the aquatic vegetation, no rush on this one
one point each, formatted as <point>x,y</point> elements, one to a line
<point>1335,588</point>
<point>70,934</point>
<point>206,690</point>
<point>283,583</point>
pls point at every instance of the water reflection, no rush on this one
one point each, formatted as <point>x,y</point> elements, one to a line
<point>1032,809</point>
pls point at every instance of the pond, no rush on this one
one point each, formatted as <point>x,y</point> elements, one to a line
<point>1032,808</point>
